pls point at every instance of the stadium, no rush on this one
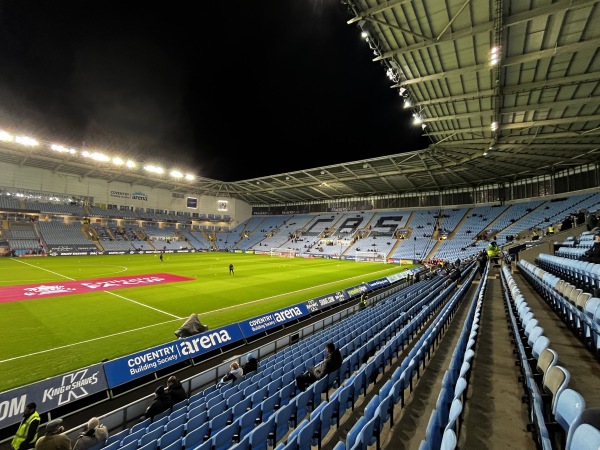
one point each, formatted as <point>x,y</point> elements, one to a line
<point>107,258</point>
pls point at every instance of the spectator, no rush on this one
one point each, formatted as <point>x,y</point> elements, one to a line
<point>27,432</point>
<point>331,363</point>
<point>54,439</point>
<point>493,251</point>
<point>251,364</point>
<point>593,253</point>
<point>566,224</point>
<point>482,259</point>
<point>591,221</point>
<point>175,390</point>
<point>94,434</point>
<point>160,403</point>
<point>235,372</point>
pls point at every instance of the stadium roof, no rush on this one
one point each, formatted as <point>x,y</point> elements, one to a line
<point>543,96</point>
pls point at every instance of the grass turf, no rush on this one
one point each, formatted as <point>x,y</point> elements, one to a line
<point>50,336</point>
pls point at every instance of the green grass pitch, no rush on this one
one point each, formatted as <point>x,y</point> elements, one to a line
<point>49,336</point>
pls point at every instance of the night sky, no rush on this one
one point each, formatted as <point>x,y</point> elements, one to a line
<point>229,90</point>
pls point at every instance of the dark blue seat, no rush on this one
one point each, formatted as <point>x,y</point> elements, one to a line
<point>171,436</point>
<point>249,420</point>
<point>224,439</point>
<point>196,436</point>
<point>283,421</point>
<point>259,436</point>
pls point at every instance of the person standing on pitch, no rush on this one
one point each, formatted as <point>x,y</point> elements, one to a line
<point>231,269</point>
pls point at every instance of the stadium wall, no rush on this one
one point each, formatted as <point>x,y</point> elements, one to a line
<point>30,179</point>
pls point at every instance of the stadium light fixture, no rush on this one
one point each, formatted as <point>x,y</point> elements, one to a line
<point>131,164</point>
<point>5,137</point>
<point>61,149</point>
<point>154,169</point>
<point>96,156</point>
<point>118,161</point>
<point>495,56</point>
<point>190,177</point>
<point>417,119</point>
<point>407,103</point>
<point>27,141</point>
<point>176,174</point>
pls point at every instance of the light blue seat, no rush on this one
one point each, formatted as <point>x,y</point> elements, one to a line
<point>539,345</point>
<point>454,415</point>
<point>585,437</point>
<point>569,407</point>
<point>448,440</point>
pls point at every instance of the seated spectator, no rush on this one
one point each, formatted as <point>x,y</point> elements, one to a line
<point>251,364</point>
<point>592,254</point>
<point>94,434</point>
<point>175,390</point>
<point>331,363</point>
<point>54,439</point>
<point>160,403</point>
<point>235,372</point>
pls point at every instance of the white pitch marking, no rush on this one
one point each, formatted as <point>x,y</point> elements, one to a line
<point>84,342</point>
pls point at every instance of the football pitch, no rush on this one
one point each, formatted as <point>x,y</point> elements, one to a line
<point>49,333</point>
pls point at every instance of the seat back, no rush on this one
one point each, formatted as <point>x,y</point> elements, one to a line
<point>548,358</point>
<point>556,381</point>
<point>570,404</point>
<point>585,437</point>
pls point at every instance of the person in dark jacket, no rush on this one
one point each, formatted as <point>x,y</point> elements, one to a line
<point>161,403</point>
<point>482,260</point>
<point>175,390</point>
<point>331,363</point>
<point>251,364</point>
<point>593,253</point>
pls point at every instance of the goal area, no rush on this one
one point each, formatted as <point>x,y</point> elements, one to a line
<point>380,257</point>
<point>282,253</point>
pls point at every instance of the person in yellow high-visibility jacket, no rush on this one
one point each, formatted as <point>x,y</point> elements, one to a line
<point>551,229</point>
<point>27,432</point>
<point>493,250</point>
